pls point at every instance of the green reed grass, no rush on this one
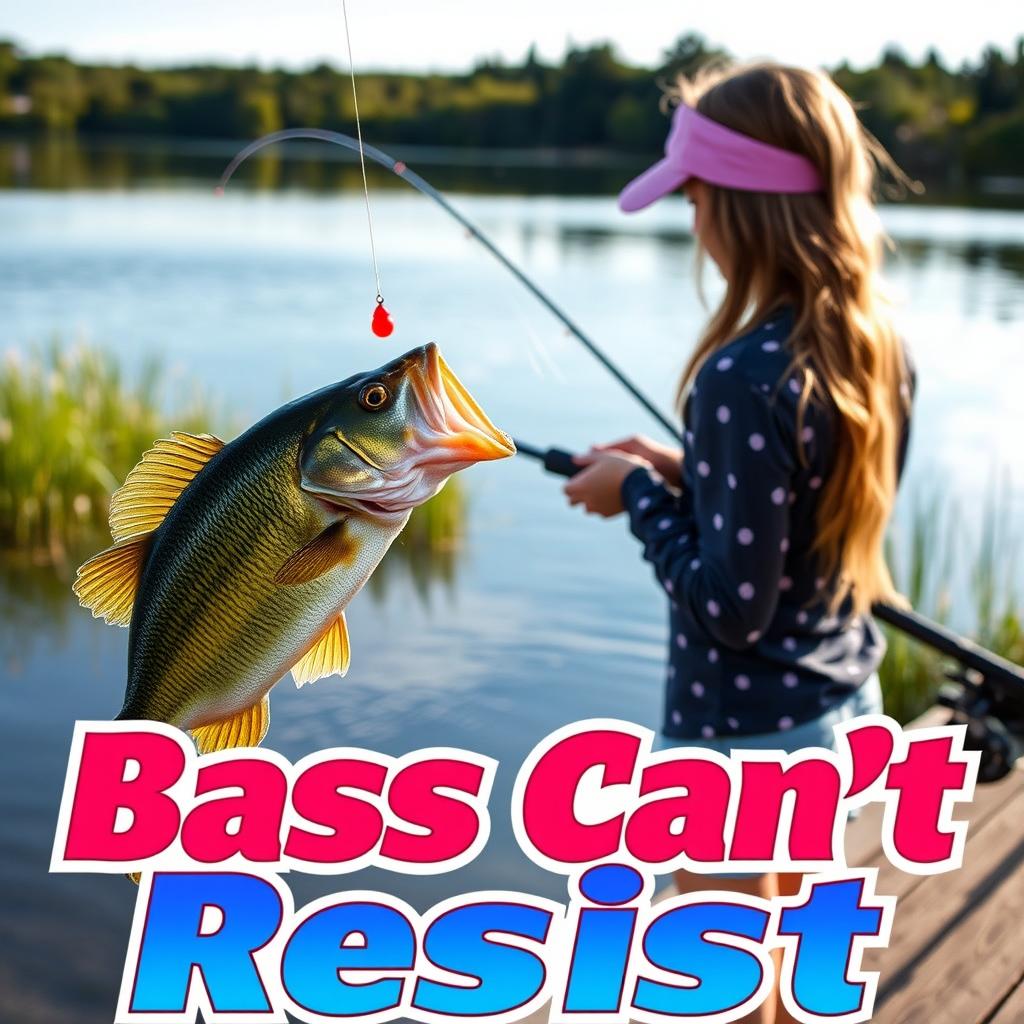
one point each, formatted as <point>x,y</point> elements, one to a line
<point>71,427</point>
<point>931,553</point>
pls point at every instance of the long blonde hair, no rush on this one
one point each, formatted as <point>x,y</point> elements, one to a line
<point>821,253</point>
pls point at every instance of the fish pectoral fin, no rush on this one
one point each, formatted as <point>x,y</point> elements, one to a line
<point>108,582</point>
<point>329,548</point>
<point>244,729</point>
<point>329,656</point>
<point>156,483</point>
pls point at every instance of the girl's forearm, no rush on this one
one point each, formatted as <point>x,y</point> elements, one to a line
<point>668,461</point>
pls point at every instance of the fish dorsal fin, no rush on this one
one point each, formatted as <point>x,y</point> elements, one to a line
<point>329,656</point>
<point>155,484</point>
<point>329,548</point>
<point>244,729</point>
<point>108,582</point>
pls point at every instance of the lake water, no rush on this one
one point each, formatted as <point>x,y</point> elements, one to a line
<point>551,617</point>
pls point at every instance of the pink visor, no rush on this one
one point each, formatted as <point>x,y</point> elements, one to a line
<point>698,147</point>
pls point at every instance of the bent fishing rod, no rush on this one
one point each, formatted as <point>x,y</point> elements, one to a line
<point>401,169</point>
<point>1002,683</point>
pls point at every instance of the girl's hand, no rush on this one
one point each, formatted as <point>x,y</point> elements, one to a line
<point>666,460</point>
<point>598,488</point>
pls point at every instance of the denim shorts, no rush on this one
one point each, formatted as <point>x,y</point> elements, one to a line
<point>865,700</point>
<point>818,732</point>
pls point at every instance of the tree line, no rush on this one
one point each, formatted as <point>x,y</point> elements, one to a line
<point>942,124</point>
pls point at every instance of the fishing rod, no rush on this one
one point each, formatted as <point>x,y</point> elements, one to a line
<point>990,692</point>
<point>400,168</point>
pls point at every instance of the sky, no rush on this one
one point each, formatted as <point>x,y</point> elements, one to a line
<point>447,35</point>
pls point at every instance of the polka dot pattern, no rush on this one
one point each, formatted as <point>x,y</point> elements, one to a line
<point>753,649</point>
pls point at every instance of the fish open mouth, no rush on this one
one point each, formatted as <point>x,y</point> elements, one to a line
<point>461,431</point>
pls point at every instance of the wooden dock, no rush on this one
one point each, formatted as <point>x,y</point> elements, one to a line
<point>956,953</point>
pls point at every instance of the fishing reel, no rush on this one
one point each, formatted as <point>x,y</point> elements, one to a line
<point>993,712</point>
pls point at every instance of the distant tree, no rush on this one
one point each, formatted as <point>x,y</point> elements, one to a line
<point>688,54</point>
<point>936,120</point>
<point>894,59</point>
<point>997,147</point>
<point>998,83</point>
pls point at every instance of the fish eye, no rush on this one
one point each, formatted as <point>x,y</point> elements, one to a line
<point>374,397</point>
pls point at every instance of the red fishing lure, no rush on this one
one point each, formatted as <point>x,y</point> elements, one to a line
<point>381,323</point>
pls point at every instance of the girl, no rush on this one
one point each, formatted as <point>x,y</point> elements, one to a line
<point>766,530</point>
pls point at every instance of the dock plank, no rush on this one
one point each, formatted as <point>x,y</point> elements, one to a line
<point>989,802</point>
<point>1012,1010</point>
<point>957,942</point>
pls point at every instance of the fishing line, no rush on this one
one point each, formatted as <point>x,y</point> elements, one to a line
<point>399,168</point>
<point>362,159</point>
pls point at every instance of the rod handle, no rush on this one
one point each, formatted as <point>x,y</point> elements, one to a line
<point>559,461</point>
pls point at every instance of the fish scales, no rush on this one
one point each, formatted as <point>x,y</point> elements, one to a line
<point>226,606</point>
<point>247,554</point>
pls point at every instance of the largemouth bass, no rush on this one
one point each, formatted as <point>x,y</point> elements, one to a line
<point>234,563</point>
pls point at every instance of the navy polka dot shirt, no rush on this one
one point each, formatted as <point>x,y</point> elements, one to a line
<point>753,649</point>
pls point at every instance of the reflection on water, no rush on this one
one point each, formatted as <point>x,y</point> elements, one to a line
<point>56,162</point>
<point>540,616</point>
<point>33,603</point>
